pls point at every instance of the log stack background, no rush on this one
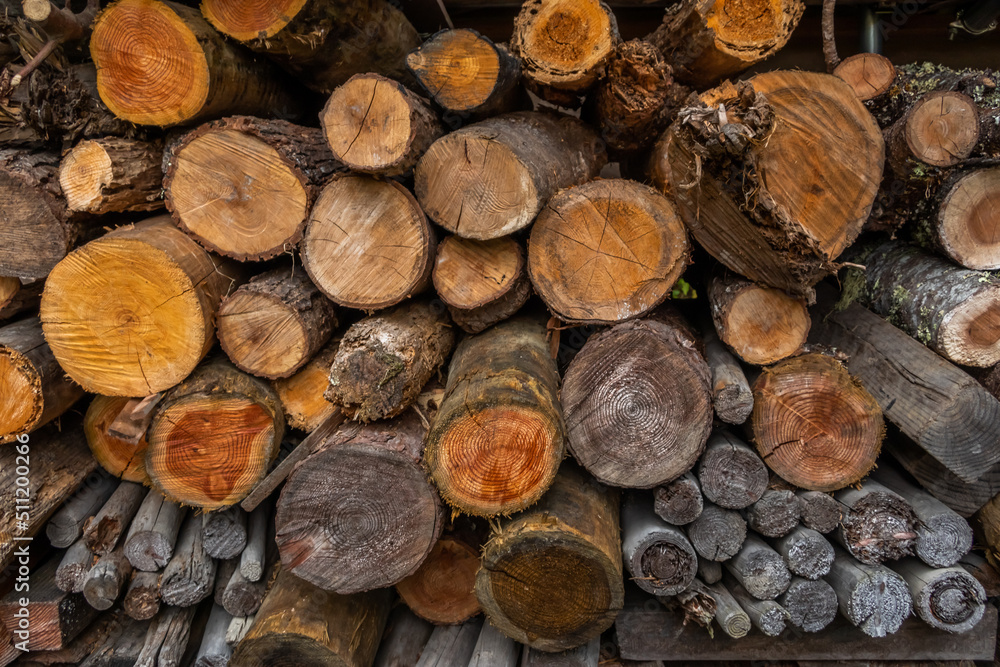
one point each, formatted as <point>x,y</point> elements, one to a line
<point>592,337</point>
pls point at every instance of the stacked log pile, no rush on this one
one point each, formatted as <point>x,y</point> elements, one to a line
<point>391,351</point>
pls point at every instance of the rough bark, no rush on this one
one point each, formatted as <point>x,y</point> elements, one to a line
<point>82,500</point>
<point>122,459</point>
<point>959,219</point>
<point>113,175</point>
<point>730,473</point>
<point>149,544</point>
<point>679,502</point>
<point>718,533</point>
<point>101,533</point>
<point>940,129</point>
<point>659,557</point>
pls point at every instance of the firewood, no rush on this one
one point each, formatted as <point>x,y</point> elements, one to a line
<point>820,511</point>
<point>730,473</point>
<point>239,595</point>
<point>869,74</point>
<point>113,175</point>
<point>534,155</point>
<point>159,323</point>
<point>467,74</point>
<point>149,544</point>
<point>34,390</point>
<point>222,425</point>
<point>376,228</point>
<point>952,310</point>
<point>167,638</point>
<point>808,118</point>
<point>106,580</point>
<point>718,533</point>
<point>224,570</point>
<point>872,597</point>
<point>17,297</point>
<point>114,640</point>
<point>794,395</point>
<point>301,394</point>
<point>762,325</point>
<point>705,43</point>
<point>939,130</point>
<point>213,650</point>
<point>728,613</point>
<point>188,72</point>
<point>775,514</point>
<point>731,395</point>
<point>960,218</point>
<point>878,524</point>
<point>481,282</point>
<point>224,533</point>
<point>633,276</point>
<point>679,502</point>
<point>441,590</point>
<point>943,537</point>
<point>563,46</point>
<point>659,557</point>
<point>54,616</point>
<point>562,556</point>
<point>188,577</point>
<point>451,646</point>
<point>587,655</point>
<point>142,600</point>
<point>811,605</point>
<point>806,552</point>
<point>385,360</point>
<point>766,615</point>
<point>945,411</point>
<point>497,441</point>
<point>73,568</point>
<point>252,559</point>
<point>947,599</point>
<point>494,649</point>
<point>66,526</point>
<point>119,457</point>
<point>243,186</point>
<point>378,126</point>
<point>652,427</point>
<point>101,532</point>
<point>322,42</point>
<point>709,571</point>
<point>759,569</point>
<point>299,623</point>
<point>334,508</point>
<point>404,639</point>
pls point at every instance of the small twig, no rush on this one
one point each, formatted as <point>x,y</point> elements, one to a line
<point>829,38</point>
<point>33,64</point>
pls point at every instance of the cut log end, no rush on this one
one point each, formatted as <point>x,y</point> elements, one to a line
<point>458,67</point>
<point>811,605</point>
<point>680,502</point>
<point>119,457</point>
<point>441,590</point>
<point>302,394</point>
<point>869,74</point>
<point>820,511</point>
<point>942,129</point>
<point>718,533</point>
<point>968,218</point>
<point>730,473</point>
<point>470,274</point>
<point>83,174</point>
<point>21,399</point>
<point>762,325</point>
<point>880,526</point>
<point>246,21</point>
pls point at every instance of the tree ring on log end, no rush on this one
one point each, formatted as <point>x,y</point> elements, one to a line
<point>470,274</point>
<point>440,591</point>
<point>880,603</point>
<point>247,20</point>
<point>869,74</point>
<point>21,401</point>
<point>248,318</point>
<point>83,174</point>
<point>971,332</point>
<point>969,218</point>
<point>460,72</point>
<point>943,128</point>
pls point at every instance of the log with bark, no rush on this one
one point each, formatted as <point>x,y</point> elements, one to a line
<point>385,360</point>
<point>378,126</point>
<point>167,638</point>
<point>820,511</point>
<point>214,436</point>
<point>794,396</point>
<point>679,502</point>
<point>188,577</point>
<point>113,175</point>
<point>321,42</point>
<point>717,534</point>
<point>300,624</point>
<point>149,544</point>
<point>301,394</point>
<point>481,282</point>
<point>73,568</point>
<point>659,556</point>
<point>122,459</point>
<point>335,508</point>
<point>940,129</point>
<point>378,229</point>
<point>451,646</point>
<point>132,313</point>
<point>243,186</point>
<point>806,552</point>
<point>947,598</point>
<point>34,390</point>
<point>759,569</point>
<point>823,159</point>
<point>551,577</point>
<point>497,440</point>
<point>766,615</point>
<point>730,473</point>
<point>872,597</point>
<point>811,605</point>
<point>776,514</point>
<point>535,154</point>
<point>730,616</point>
<point>82,502</point>
<point>188,72</point>
<point>54,617</point>
<point>102,532</point>
<point>637,402</point>
<point>466,74</point>
<point>731,395</point>
<point>442,589</point>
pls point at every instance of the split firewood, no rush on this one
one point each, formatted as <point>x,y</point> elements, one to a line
<point>811,605</point>
<point>122,459</point>
<point>679,502</point>
<point>142,599</point>
<point>467,74</point>
<point>442,589</point>
<point>220,422</point>
<point>563,46</point>
<point>947,598</point>
<point>243,186</point>
<point>102,532</point>
<point>806,552</point>
<point>378,126</point>
<point>404,639</point>
<point>717,534</point>
<point>188,577</point>
<point>731,395</point>
<point>55,616</point>
<point>869,74</point>
<point>481,282</point>
<point>759,569</point>
<point>497,440</point>
<point>872,597</point>
<point>34,390</point>
<point>74,567</point>
<point>776,514</point>
<point>637,402</point>
<point>66,526</point>
<point>451,646</point>
<point>731,474</point>
<point>535,154</point>
<point>766,615</point>
<point>149,544</point>
<point>794,395</point>
<point>774,124</point>
<point>213,650</point>
<point>107,579</point>
<point>301,394</point>
<point>299,622</point>
<point>385,360</point>
<point>167,638</point>
<point>188,72</point>
<point>113,175</point>
<point>659,556</point>
<point>377,228</point>
<point>321,42</point>
<point>335,508</point>
<point>107,335</point>
<point>225,533</point>
<point>562,556</point>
